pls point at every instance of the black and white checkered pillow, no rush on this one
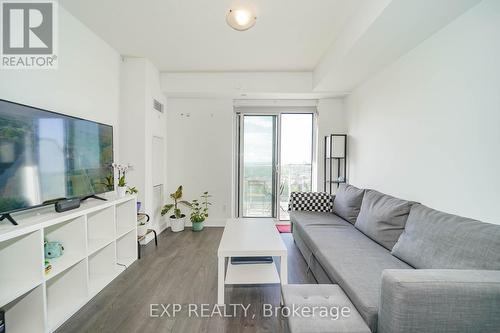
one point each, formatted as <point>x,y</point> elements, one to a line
<point>311,201</point>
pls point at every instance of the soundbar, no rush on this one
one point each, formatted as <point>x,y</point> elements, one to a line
<point>67,204</point>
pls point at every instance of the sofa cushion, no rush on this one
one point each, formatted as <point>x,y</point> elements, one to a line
<point>382,217</point>
<point>433,239</point>
<point>302,219</point>
<point>329,296</point>
<point>356,263</point>
<point>347,203</point>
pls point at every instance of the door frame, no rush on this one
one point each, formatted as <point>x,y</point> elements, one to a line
<point>277,112</point>
<point>239,160</point>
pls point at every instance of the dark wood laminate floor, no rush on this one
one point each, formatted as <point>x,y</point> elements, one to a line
<point>183,270</point>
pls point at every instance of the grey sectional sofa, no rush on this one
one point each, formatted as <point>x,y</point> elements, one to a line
<point>404,266</point>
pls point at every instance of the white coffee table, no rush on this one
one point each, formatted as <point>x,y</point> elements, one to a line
<point>250,238</point>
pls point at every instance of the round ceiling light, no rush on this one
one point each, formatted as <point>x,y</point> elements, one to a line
<point>240,19</point>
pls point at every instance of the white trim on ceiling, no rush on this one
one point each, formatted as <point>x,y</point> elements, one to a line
<point>293,103</point>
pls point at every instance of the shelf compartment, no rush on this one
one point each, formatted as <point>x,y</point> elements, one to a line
<point>126,248</point>
<point>16,279</point>
<point>252,274</point>
<point>126,217</point>
<point>71,235</point>
<point>26,313</point>
<point>66,293</point>
<point>102,268</point>
<point>100,229</point>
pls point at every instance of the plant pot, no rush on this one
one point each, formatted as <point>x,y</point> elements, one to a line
<point>121,191</point>
<point>142,230</point>
<point>197,226</point>
<point>177,224</point>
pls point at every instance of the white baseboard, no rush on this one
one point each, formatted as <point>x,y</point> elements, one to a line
<point>211,223</point>
<point>159,229</point>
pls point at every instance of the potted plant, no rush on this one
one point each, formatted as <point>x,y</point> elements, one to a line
<point>133,190</point>
<point>177,220</point>
<point>199,211</point>
<point>122,183</point>
<point>142,227</point>
<point>109,182</point>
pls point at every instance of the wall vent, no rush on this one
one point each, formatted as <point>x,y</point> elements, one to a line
<point>158,106</point>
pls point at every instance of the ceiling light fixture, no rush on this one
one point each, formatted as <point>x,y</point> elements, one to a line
<point>240,19</point>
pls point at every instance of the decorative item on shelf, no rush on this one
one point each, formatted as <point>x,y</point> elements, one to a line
<point>177,221</point>
<point>335,161</point>
<point>200,211</point>
<point>142,224</point>
<point>53,249</point>
<point>48,266</point>
<point>122,183</point>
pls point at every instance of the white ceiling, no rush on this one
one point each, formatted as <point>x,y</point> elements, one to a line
<point>192,35</point>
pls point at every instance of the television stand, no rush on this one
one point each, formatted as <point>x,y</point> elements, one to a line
<point>93,196</point>
<point>9,218</point>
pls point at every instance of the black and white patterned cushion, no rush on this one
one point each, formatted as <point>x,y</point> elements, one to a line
<point>311,201</point>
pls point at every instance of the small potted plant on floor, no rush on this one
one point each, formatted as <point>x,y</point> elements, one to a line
<point>177,220</point>
<point>199,211</point>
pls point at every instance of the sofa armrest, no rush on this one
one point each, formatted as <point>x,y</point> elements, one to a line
<point>311,201</point>
<point>439,301</point>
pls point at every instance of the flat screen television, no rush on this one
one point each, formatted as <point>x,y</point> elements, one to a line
<point>46,156</point>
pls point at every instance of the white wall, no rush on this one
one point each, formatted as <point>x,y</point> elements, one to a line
<point>331,119</point>
<point>140,123</point>
<point>200,145</point>
<point>200,151</point>
<point>86,84</point>
<point>427,127</point>
<point>236,82</point>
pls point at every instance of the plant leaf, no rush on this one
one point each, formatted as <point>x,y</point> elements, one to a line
<point>186,203</point>
<point>166,209</point>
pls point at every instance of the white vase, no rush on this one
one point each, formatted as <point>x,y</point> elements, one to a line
<point>121,191</point>
<point>142,230</point>
<point>177,224</point>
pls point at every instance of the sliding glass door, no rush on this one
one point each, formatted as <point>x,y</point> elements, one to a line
<point>296,156</point>
<point>274,158</point>
<point>258,165</point>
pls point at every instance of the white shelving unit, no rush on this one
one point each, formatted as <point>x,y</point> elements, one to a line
<point>30,304</point>
<point>126,248</point>
<point>100,229</point>
<point>72,233</point>
<point>126,219</point>
<point>66,293</point>
<point>28,250</point>
<point>99,239</point>
<point>102,268</point>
